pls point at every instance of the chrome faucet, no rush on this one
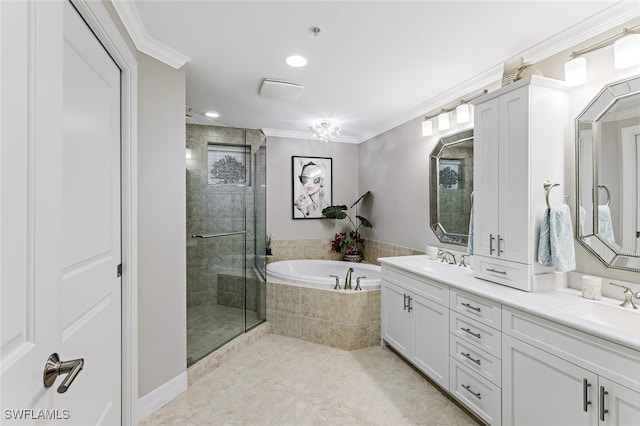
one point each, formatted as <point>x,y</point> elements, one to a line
<point>462,258</point>
<point>447,256</point>
<point>347,280</point>
<point>628,297</point>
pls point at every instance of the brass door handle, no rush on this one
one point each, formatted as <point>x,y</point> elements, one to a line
<point>54,368</point>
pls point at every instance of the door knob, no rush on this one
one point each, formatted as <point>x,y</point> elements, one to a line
<point>54,368</point>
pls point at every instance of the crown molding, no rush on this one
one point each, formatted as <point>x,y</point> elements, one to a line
<point>295,134</point>
<point>613,16</point>
<point>131,20</point>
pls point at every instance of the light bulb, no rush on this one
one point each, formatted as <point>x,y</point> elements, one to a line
<point>427,128</point>
<point>575,72</point>
<point>443,121</point>
<point>626,51</point>
<point>462,113</point>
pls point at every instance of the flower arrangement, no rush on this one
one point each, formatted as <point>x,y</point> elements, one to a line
<point>347,244</point>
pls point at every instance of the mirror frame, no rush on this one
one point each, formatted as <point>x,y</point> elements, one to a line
<point>609,255</point>
<point>434,185</point>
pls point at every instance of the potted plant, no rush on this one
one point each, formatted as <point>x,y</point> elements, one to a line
<point>350,245</point>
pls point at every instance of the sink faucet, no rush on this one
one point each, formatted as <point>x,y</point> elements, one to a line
<point>628,297</point>
<point>462,258</point>
<point>347,279</point>
<point>447,256</point>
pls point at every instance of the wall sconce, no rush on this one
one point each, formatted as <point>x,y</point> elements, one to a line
<point>463,115</point>
<point>187,154</point>
<point>626,53</point>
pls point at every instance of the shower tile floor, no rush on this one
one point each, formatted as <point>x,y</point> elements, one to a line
<point>211,326</point>
<point>284,381</point>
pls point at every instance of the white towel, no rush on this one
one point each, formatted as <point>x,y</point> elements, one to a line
<point>470,240</point>
<point>605,225</point>
<point>555,247</point>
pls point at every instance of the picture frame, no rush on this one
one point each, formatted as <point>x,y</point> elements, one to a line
<point>228,164</point>
<point>311,186</point>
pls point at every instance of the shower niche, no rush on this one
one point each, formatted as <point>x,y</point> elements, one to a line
<point>226,217</point>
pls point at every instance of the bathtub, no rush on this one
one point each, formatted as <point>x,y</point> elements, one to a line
<point>316,273</point>
<point>302,303</point>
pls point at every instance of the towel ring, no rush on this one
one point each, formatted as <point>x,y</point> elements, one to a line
<point>548,186</point>
<point>608,193</point>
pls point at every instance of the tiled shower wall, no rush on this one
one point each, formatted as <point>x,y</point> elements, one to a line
<point>215,209</point>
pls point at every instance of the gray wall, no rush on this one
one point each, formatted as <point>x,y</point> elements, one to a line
<point>279,186</point>
<point>162,342</point>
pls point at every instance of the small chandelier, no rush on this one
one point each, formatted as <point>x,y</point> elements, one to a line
<point>325,130</point>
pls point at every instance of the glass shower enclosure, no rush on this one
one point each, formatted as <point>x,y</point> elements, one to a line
<point>226,216</point>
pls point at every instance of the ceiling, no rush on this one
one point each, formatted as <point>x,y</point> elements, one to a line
<point>373,66</point>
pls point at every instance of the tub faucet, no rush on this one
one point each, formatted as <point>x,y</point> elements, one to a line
<point>337,286</point>
<point>358,283</point>
<point>347,280</point>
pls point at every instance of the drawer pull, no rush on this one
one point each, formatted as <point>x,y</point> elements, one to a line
<point>496,271</point>
<point>469,357</point>
<point>602,409</point>
<point>467,305</point>
<point>585,397</point>
<point>468,389</point>
<point>466,330</point>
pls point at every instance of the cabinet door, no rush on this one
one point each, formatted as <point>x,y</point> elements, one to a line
<point>622,404</point>
<point>396,318</point>
<point>431,337</point>
<point>486,178</point>
<point>513,240</point>
<point>541,389</point>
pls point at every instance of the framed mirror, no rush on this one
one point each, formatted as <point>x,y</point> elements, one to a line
<point>451,187</point>
<point>608,179</point>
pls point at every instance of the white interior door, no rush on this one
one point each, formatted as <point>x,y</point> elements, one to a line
<point>60,216</point>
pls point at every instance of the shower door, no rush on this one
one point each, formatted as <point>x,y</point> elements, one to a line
<point>224,297</point>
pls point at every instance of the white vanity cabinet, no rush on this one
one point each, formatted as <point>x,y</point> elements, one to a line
<point>553,375</point>
<point>515,127</point>
<point>415,321</point>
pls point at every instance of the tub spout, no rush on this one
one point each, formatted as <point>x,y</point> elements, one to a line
<point>347,280</point>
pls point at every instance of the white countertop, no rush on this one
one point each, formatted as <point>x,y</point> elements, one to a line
<point>543,304</point>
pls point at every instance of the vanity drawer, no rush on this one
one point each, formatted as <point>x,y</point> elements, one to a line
<point>478,308</point>
<point>477,334</point>
<point>478,361</point>
<point>432,290</point>
<point>512,274</point>
<point>478,394</point>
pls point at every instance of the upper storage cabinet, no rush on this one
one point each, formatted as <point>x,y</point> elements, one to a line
<point>520,133</point>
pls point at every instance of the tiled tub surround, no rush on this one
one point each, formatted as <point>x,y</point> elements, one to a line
<point>344,319</point>
<point>321,249</point>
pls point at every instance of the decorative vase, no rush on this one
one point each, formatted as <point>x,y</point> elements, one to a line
<point>352,257</point>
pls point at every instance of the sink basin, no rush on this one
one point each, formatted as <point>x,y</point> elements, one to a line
<point>608,315</point>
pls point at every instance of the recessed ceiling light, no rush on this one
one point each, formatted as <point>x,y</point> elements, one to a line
<point>296,61</point>
<point>212,114</point>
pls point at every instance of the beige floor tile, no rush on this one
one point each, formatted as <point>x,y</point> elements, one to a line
<point>284,381</point>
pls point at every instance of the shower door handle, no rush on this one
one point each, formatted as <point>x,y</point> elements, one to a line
<point>223,234</point>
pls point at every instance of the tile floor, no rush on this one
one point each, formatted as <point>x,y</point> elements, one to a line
<point>211,326</point>
<point>284,381</point>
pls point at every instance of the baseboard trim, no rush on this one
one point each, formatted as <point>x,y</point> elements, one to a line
<point>161,396</point>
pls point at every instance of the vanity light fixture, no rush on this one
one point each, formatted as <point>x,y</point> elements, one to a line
<point>325,130</point>
<point>443,120</point>
<point>626,53</point>
<point>463,115</point>
<point>427,127</point>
